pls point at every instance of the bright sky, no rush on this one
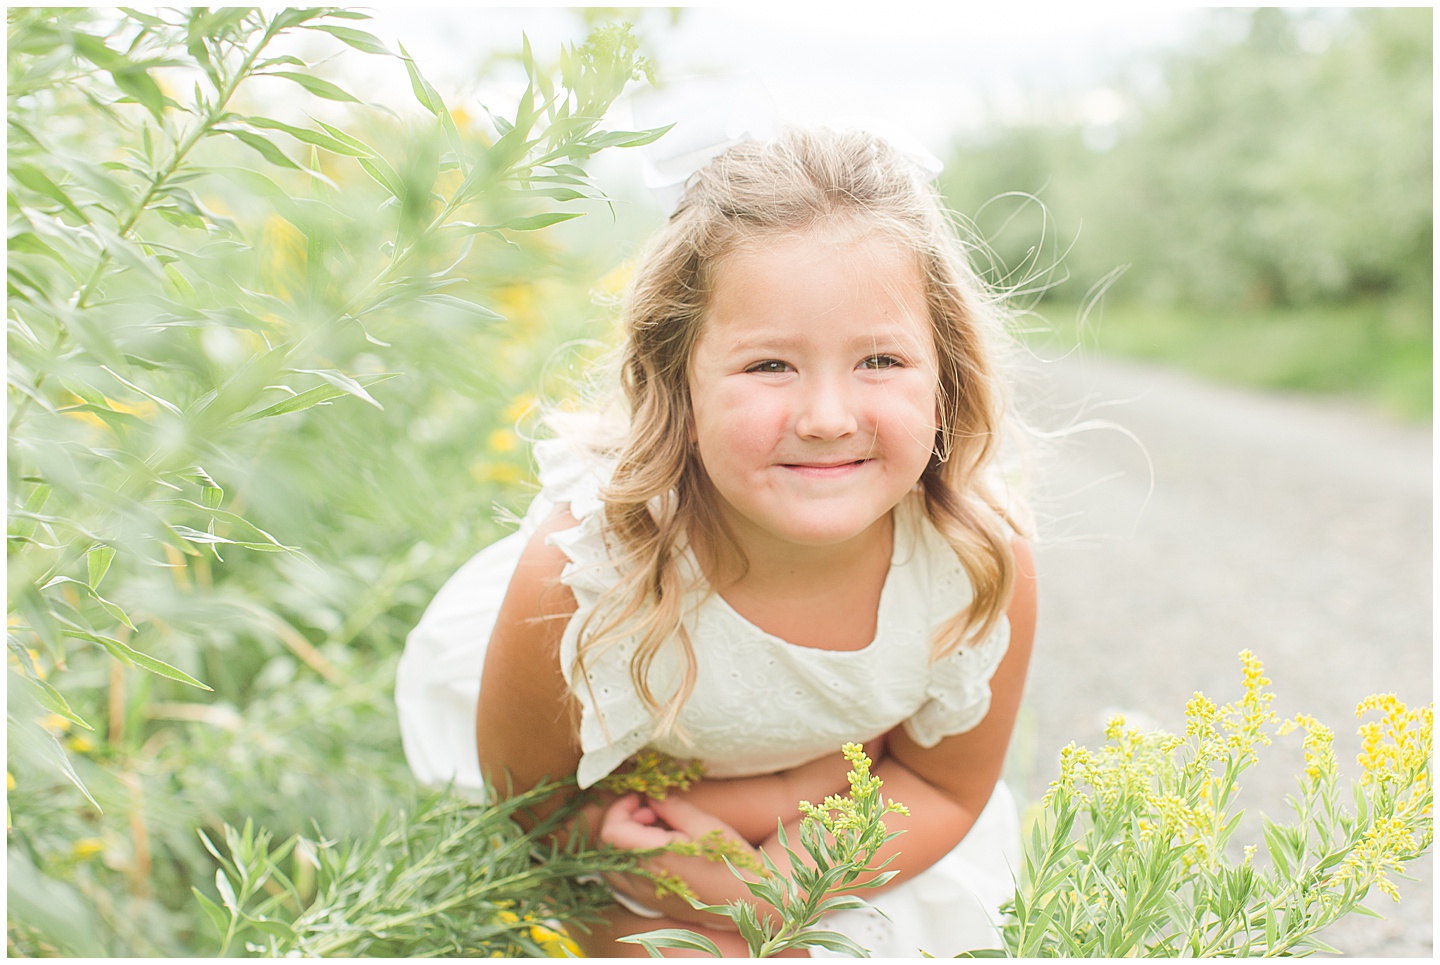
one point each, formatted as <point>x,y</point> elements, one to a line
<point>927,68</point>
<point>918,73</point>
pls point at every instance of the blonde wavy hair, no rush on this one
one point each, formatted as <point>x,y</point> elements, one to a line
<point>658,497</point>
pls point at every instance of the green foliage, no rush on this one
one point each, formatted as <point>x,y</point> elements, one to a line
<point>1378,351</point>
<point>448,879</point>
<point>267,363</point>
<point>1289,166</point>
<point>840,837</point>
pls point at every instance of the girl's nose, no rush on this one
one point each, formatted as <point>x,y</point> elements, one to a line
<point>825,412</point>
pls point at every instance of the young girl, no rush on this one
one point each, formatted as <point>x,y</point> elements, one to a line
<point>794,537</point>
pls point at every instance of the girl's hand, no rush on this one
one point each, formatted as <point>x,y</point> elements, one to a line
<point>639,823</point>
<point>631,822</point>
<point>636,822</point>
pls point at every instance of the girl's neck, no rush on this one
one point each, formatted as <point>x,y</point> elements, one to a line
<point>824,598</point>
<point>782,567</point>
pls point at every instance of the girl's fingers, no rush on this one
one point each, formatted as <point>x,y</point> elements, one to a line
<point>687,818</point>
<point>630,823</point>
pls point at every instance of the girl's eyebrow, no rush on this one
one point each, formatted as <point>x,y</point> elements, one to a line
<point>882,335</point>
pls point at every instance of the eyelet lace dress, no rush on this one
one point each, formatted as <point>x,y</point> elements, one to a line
<point>760,705</point>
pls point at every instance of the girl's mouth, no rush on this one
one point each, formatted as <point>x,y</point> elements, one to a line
<point>824,469</point>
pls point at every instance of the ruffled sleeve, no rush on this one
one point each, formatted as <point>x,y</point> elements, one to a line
<point>614,723</point>
<point>957,693</point>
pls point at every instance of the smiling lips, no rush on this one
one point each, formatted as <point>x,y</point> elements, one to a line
<point>824,470</point>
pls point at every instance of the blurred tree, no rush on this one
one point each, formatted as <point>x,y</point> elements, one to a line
<point>1285,161</point>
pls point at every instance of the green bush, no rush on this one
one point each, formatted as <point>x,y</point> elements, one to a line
<point>267,363</point>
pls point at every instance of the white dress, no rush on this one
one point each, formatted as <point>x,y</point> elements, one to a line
<point>760,704</point>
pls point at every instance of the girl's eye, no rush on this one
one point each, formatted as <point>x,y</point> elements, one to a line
<point>769,366</point>
<point>880,362</point>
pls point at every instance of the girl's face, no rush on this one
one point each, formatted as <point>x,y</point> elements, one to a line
<point>813,387</point>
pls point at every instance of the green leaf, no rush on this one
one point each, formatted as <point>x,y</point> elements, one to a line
<point>528,223</point>
<point>54,701</point>
<point>266,149</point>
<point>316,86</point>
<point>834,941</point>
<point>460,305</point>
<point>628,138</point>
<point>138,83</point>
<point>321,393</point>
<point>349,148</point>
<point>559,194</point>
<point>358,39</point>
<point>130,657</point>
<point>62,760</point>
<point>428,97</point>
<point>38,181</point>
<point>217,915</point>
<point>94,594</point>
<point>673,938</point>
<point>227,893</point>
<point>380,170</point>
<point>97,563</point>
<point>167,406</point>
<point>344,382</point>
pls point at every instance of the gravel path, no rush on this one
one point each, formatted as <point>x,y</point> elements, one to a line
<point>1296,528</point>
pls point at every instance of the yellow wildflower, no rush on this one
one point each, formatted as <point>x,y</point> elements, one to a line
<point>501,440</point>
<point>9,781</point>
<point>1397,745</point>
<point>615,281</point>
<point>495,472</point>
<point>286,253</point>
<point>555,944</point>
<point>1378,853</point>
<point>55,722</point>
<point>654,774</point>
<point>1246,721</point>
<point>87,848</point>
<point>1319,745</point>
<point>518,407</point>
<point>80,744</point>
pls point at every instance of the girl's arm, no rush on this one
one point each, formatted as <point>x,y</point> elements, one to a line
<point>524,724</point>
<point>946,786</point>
<point>751,805</point>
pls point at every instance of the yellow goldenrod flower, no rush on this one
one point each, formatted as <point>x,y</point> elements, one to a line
<point>518,407</point>
<point>1319,746</point>
<point>55,722</point>
<point>495,472</point>
<point>286,254</point>
<point>618,277</point>
<point>501,440</point>
<point>654,774</point>
<point>555,943</point>
<point>87,848</point>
